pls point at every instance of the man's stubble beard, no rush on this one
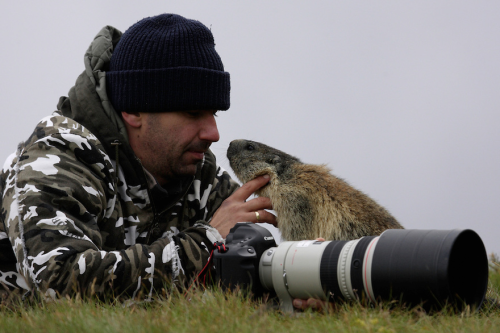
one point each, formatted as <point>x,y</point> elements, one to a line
<point>166,160</point>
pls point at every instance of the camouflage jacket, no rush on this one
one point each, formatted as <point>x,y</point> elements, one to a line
<point>81,214</point>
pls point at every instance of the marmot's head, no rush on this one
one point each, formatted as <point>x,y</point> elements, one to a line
<point>250,159</point>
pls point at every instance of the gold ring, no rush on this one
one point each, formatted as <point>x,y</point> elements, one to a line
<point>257,216</point>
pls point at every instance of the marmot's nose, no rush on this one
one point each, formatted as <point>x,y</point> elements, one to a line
<point>235,146</point>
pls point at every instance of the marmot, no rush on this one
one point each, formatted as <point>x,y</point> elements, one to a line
<point>309,201</point>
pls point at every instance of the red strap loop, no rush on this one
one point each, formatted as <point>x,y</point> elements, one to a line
<point>221,248</point>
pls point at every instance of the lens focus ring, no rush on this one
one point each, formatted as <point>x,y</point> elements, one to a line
<point>344,270</point>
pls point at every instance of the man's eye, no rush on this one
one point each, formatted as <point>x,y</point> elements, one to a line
<point>193,114</point>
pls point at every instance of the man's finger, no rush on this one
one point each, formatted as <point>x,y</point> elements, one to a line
<point>250,187</point>
<point>315,303</point>
<point>310,303</point>
<point>258,203</point>
<point>261,216</point>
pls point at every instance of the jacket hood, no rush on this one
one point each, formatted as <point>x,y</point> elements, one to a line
<point>88,104</point>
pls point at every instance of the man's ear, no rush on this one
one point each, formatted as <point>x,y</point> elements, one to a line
<point>134,119</point>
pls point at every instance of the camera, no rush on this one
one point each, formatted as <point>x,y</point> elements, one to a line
<point>431,268</point>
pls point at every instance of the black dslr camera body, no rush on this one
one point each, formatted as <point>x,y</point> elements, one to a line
<point>239,265</point>
<point>418,267</point>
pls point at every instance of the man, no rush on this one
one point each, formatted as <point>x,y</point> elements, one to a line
<point>117,190</point>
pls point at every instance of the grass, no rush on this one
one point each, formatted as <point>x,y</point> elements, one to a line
<point>213,311</point>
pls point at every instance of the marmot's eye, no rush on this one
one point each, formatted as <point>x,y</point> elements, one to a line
<point>250,147</point>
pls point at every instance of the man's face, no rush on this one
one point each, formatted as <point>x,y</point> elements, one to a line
<point>172,144</point>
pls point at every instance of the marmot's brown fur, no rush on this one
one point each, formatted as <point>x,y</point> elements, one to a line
<point>309,201</point>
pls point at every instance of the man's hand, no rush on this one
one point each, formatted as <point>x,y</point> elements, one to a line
<point>311,303</point>
<point>236,209</point>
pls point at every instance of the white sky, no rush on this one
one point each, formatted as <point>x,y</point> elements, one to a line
<point>399,98</point>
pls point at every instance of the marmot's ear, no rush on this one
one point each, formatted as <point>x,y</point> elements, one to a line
<point>273,159</point>
<point>279,164</point>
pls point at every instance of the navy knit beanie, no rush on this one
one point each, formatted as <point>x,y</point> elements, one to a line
<point>167,63</point>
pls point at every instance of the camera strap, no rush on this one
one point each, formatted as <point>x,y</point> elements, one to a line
<point>221,248</point>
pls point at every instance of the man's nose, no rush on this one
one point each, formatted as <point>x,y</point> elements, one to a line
<point>210,132</point>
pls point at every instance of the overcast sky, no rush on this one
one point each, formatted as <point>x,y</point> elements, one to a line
<point>399,98</point>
